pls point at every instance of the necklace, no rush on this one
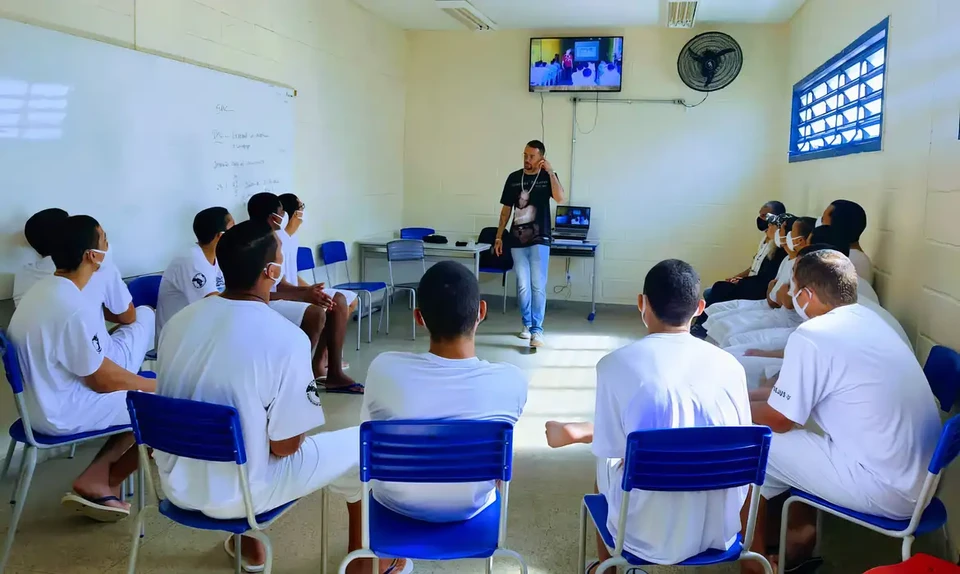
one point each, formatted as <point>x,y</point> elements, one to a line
<point>522,189</point>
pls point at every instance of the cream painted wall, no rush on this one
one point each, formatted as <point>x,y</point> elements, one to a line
<point>911,189</point>
<point>347,65</point>
<point>663,181</point>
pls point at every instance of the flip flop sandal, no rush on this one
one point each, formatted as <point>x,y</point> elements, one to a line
<point>808,566</point>
<point>407,568</point>
<point>94,508</point>
<point>354,389</point>
<point>344,366</point>
<point>247,567</point>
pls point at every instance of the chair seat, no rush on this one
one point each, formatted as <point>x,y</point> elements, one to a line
<point>362,286</point>
<point>934,517</point>
<point>494,270</point>
<point>597,507</point>
<point>201,521</point>
<point>407,286</point>
<point>18,434</point>
<point>151,355</point>
<point>395,535</point>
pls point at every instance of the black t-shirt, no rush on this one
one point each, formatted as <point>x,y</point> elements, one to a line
<point>529,196</point>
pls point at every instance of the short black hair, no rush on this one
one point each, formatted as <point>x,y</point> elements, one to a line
<point>826,237</point>
<point>537,145</point>
<point>78,234</point>
<point>244,251</point>
<point>672,288</point>
<point>776,207</point>
<point>290,203</point>
<point>828,273</point>
<point>806,225</point>
<point>449,301</point>
<point>262,205</point>
<point>209,222</point>
<point>787,221</point>
<point>849,218</point>
<point>42,228</point>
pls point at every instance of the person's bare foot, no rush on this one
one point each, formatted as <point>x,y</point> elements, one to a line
<point>94,490</point>
<point>363,566</point>
<point>252,550</point>
<point>800,543</point>
<point>338,381</point>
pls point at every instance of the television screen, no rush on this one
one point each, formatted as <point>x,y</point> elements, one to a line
<point>576,64</point>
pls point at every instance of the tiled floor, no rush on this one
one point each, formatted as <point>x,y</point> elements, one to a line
<point>544,496</point>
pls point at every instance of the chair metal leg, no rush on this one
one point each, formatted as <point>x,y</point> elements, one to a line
<point>905,548</point>
<point>136,533</point>
<point>413,316</point>
<point>504,293</point>
<point>23,486</point>
<point>950,549</point>
<point>488,565</point>
<point>747,555</point>
<point>324,530</point>
<point>355,555</point>
<point>130,487</point>
<point>784,516</point>
<point>359,318</point>
<point>141,496</point>
<point>73,450</point>
<point>16,484</point>
<point>11,450</point>
<point>267,547</point>
<point>819,537</point>
<point>582,550</point>
<point>237,556</point>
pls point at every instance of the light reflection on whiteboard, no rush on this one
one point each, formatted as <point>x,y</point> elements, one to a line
<point>32,111</point>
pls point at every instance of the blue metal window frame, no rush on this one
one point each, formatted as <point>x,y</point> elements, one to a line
<point>856,52</point>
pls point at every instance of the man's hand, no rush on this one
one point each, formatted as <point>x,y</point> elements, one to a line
<point>316,296</point>
<point>735,279</point>
<point>545,165</point>
<point>759,353</point>
<point>498,247</point>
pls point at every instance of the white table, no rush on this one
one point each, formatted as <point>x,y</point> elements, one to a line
<point>377,247</point>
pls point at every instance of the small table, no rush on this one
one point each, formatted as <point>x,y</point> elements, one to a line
<point>586,248</point>
<point>377,246</point>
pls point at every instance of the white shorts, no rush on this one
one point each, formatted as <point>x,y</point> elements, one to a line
<point>128,344</point>
<point>350,296</point>
<point>291,310</point>
<point>805,460</point>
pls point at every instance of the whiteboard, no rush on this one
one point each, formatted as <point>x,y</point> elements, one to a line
<point>140,142</point>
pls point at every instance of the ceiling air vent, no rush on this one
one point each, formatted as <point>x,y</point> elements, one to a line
<point>466,14</point>
<point>681,14</point>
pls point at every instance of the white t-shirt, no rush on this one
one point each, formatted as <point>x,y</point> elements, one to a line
<point>670,381</point>
<point>863,265</point>
<point>425,386</point>
<point>190,277</point>
<point>784,276</point>
<point>105,288</point>
<point>56,333</point>
<point>289,247</point>
<point>852,374</point>
<point>245,355</point>
<point>762,251</point>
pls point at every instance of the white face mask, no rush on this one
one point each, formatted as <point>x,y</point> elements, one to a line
<point>643,311</point>
<point>776,239</point>
<point>300,215</point>
<point>284,221</point>
<point>802,311</point>
<point>274,218</point>
<point>106,257</point>
<point>819,221</point>
<point>792,241</point>
<point>276,280</point>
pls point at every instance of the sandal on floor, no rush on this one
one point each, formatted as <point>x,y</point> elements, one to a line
<point>94,508</point>
<point>806,566</point>
<point>354,389</point>
<point>407,568</point>
<point>247,567</point>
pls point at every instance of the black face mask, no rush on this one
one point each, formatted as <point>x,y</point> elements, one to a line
<point>762,224</point>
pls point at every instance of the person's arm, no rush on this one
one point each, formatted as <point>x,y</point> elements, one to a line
<point>117,301</point>
<point>777,354</point>
<point>111,377</point>
<point>556,188</point>
<point>564,434</point>
<point>287,447</point>
<point>125,318</point>
<point>505,212</point>
<point>763,414</point>
<point>784,298</point>
<point>290,412</point>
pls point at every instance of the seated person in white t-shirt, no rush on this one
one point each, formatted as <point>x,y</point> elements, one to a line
<point>668,379</point>
<point>106,293</point>
<point>850,218</point>
<point>448,382</point>
<point>847,371</point>
<point>71,386</point>
<point>234,350</point>
<point>195,274</point>
<point>322,316</point>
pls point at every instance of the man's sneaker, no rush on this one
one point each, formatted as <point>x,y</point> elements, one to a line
<point>537,340</point>
<point>524,333</point>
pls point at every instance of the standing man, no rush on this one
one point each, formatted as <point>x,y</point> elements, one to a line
<point>528,191</point>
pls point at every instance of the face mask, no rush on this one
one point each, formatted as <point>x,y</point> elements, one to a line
<point>284,221</point>
<point>276,280</point>
<point>802,311</point>
<point>776,240</point>
<point>274,218</point>
<point>106,256</point>
<point>300,215</point>
<point>792,241</point>
<point>819,221</point>
<point>642,317</point>
<point>761,224</point>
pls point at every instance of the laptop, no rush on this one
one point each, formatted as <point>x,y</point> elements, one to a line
<point>572,223</point>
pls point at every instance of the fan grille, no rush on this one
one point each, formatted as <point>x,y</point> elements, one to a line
<point>710,62</point>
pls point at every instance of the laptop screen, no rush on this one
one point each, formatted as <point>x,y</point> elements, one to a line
<point>571,218</point>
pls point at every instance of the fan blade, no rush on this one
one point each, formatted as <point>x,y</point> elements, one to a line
<point>708,78</point>
<point>696,57</point>
<point>724,52</point>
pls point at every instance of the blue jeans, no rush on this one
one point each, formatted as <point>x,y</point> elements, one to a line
<point>530,264</point>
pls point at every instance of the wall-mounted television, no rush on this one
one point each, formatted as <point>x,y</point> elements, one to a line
<point>576,64</point>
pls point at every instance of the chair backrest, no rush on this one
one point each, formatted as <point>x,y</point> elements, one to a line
<point>405,250</point>
<point>11,365</point>
<point>305,259</point>
<point>416,232</point>
<point>947,447</point>
<point>333,252</point>
<point>192,429</point>
<point>696,459</point>
<point>145,290</point>
<point>943,373</point>
<point>436,451</point>
<point>489,259</point>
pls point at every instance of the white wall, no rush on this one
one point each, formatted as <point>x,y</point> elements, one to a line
<point>911,189</point>
<point>663,181</point>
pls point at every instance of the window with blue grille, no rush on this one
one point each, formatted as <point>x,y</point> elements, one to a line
<point>838,109</point>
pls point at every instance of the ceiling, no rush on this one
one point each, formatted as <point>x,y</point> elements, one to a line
<point>544,14</point>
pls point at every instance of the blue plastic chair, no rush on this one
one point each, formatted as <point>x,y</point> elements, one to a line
<point>145,290</point>
<point>435,452</point>
<point>201,431</point>
<point>416,232</point>
<point>684,460</point>
<point>930,514</point>
<point>943,372</point>
<point>22,432</point>
<point>334,252</point>
<point>398,251</point>
<point>489,235</point>
<point>305,262</point>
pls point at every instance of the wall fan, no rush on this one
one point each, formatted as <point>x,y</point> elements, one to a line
<point>710,62</point>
